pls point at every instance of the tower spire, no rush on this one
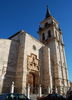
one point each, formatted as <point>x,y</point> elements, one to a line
<point>48,13</point>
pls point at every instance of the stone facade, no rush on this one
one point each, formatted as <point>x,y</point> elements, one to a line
<point>22,56</point>
<point>8,61</point>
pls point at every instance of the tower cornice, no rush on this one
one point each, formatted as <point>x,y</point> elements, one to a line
<point>48,40</point>
<point>43,29</point>
<point>48,19</point>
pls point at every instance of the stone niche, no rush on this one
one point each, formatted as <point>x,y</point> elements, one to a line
<point>33,70</point>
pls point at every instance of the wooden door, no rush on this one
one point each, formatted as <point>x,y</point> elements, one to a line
<point>31,81</point>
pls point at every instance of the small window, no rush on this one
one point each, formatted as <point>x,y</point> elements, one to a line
<point>49,33</point>
<point>43,36</point>
<point>34,47</point>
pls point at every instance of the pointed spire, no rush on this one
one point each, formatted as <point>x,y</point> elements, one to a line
<point>48,13</point>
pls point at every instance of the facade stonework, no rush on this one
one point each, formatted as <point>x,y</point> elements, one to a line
<point>23,57</point>
<point>8,60</point>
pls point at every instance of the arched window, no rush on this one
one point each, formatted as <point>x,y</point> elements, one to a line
<point>43,36</point>
<point>46,24</point>
<point>49,33</point>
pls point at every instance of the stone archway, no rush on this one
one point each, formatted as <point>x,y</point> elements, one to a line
<point>33,71</point>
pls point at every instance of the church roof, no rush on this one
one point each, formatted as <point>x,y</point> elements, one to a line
<point>26,33</point>
<point>47,13</point>
<point>15,34</point>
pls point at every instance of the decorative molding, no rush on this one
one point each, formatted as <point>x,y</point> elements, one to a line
<point>33,64</point>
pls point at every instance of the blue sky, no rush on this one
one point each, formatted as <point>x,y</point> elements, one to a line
<point>16,15</point>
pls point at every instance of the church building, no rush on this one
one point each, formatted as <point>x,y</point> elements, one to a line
<point>26,60</point>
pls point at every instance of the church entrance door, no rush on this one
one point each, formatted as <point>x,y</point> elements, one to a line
<point>31,81</point>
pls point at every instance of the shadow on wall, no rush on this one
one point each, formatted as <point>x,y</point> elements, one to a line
<point>9,66</point>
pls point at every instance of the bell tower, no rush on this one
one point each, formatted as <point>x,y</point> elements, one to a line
<point>51,35</point>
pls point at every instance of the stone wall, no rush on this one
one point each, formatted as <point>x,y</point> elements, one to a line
<point>19,70</point>
<point>47,76</point>
<point>8,62</point>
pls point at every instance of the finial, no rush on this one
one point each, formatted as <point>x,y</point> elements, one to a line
<point>48,13</point>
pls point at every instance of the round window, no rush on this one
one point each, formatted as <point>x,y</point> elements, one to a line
<point>34,47</point>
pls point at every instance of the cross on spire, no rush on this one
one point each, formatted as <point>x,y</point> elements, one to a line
<point>48,13</point>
